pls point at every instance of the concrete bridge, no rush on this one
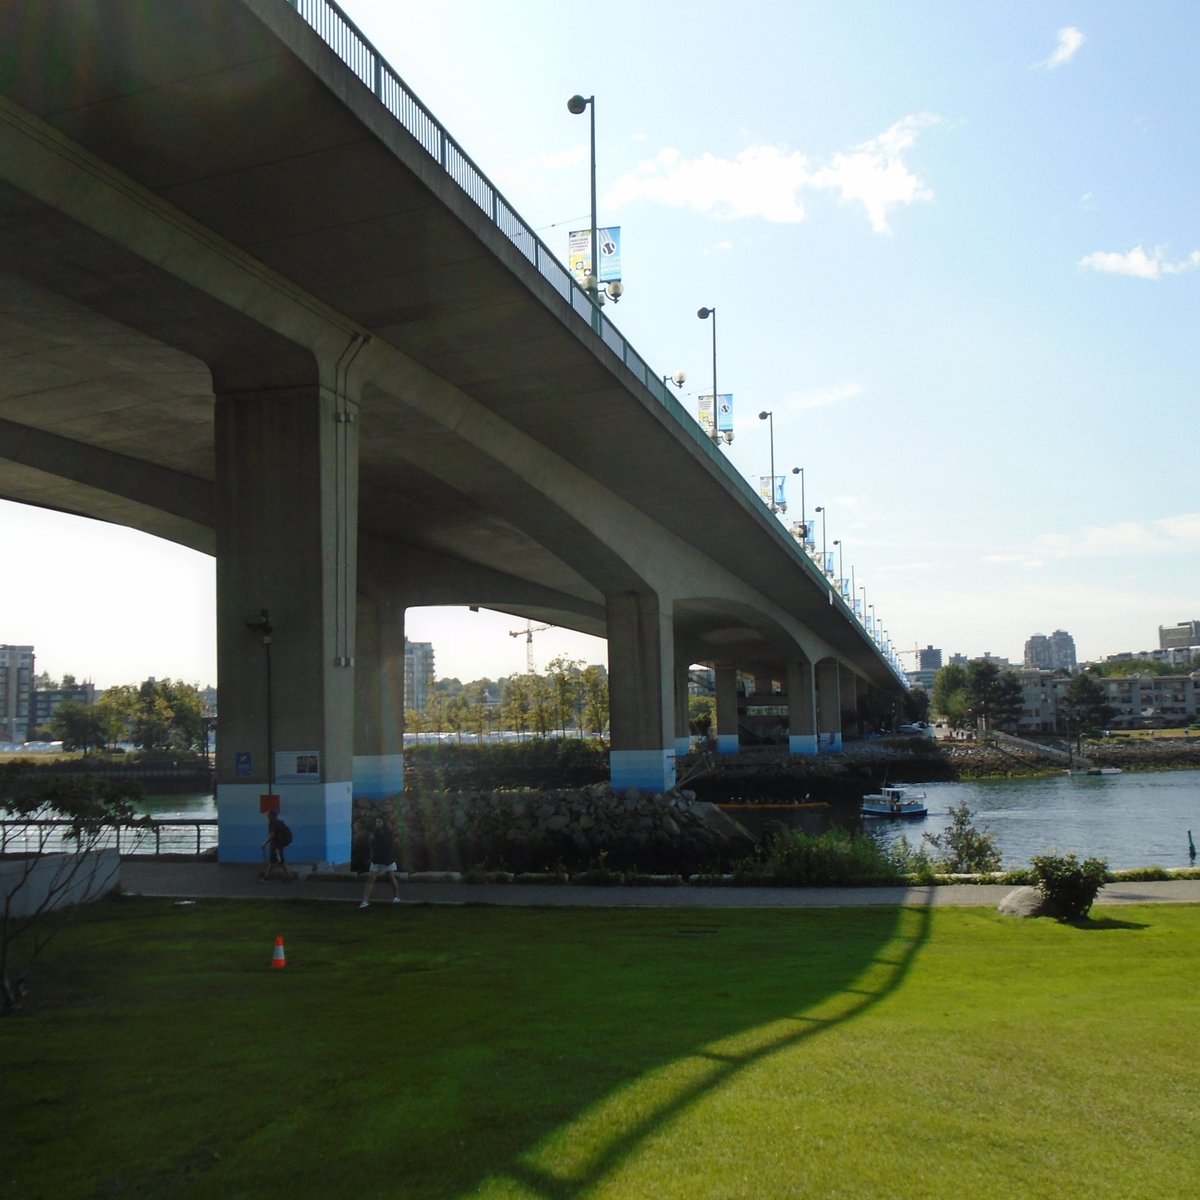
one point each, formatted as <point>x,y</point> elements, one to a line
<point>254,300</point>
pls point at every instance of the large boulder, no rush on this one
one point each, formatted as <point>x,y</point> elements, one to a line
<point>1023,902</point>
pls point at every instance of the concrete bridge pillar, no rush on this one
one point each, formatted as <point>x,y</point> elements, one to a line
<point>727,709</point>
<point>848,687</point>
<point>641,692</point>
<point>286,520</point>
<point>683,727</point>
<point>802,709</point>
<point>829,706</point>
<point>379,698</point>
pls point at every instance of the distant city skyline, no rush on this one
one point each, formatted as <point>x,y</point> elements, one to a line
<point>955,255</point>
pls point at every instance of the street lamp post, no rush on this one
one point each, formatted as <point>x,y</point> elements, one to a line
<point>841,577</point>
<point>824,560</point>
<point>769,417</point>
<point>803,515</point>
<point>704,314</point>
<point>591,283</point>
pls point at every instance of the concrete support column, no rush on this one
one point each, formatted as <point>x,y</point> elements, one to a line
<point>683,731</point>
<point>379,699</point>
<point>829,707</point>
<point>802,709</point>
<point>727,710</point>
<point>286,521</point>
<point>641,692</point>
<point>764,685</point>
<point>848,687</point>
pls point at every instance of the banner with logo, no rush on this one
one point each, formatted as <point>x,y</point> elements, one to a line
<point>764,491</point>
<point>579,253</point>
<point>724,417</point>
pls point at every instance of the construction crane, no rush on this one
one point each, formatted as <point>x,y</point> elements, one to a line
<point>527,633</point>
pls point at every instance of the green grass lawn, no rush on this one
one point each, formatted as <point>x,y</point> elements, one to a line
<point>551,1054</point>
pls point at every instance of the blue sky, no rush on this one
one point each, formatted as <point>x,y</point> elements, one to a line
<point>954,248</point>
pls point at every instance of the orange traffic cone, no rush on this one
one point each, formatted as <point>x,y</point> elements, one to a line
<point>278,959</point>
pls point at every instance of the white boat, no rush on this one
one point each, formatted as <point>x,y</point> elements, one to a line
<point>891,801</point>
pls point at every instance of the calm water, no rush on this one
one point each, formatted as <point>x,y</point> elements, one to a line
<point>1132,820</point>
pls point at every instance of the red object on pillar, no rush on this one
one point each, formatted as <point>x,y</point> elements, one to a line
<point>268,803</point>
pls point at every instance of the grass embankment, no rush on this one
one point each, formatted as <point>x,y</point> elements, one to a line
<point>437,1053</point>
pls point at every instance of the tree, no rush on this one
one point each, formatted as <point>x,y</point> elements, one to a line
<point>160,714</point>
<point>39,896</point>
<point>516,701</point>
<point>963,848</point>
<point>995,697</point>
<point>563,674</point>
<point>595,699</point>
<point>916,705</point>
<point>114,711</point>
<point>78,726</point>
<point>702,715</point>
<point>1086,708</point>
<point>951,696</point>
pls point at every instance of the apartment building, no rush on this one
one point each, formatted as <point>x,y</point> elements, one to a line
<point>16,692</point>
<point>1140,701</point>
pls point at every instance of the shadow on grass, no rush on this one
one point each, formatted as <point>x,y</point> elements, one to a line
<point>1091,924</point>
<point>419,1052</point>
<point>815,1017</point>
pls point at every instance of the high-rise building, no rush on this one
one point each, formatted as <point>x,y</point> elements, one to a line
<point>16,692</point>
<point>930,659</point>
<point>1037,652</point>
<point>1053,653</point>
<point>418,675</point>
<point>1062,651</point>
<point>1179,637</point>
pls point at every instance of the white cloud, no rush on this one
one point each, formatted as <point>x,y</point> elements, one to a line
<point>822,397</point>
<point>561,160</point>
<point>1069,41</point>
<point>1178,535</point>
<point>769,183</point>
<point>762,181</point>
<point>1139,263</point>
<point>875,174</point>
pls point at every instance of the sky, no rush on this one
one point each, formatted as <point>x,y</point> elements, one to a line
<point>954,249</point>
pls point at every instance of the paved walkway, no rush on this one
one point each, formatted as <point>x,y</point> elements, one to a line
<point>241,881</point>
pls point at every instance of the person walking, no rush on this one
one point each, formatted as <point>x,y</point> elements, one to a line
<point>383,860</point>
<point>278,838</point>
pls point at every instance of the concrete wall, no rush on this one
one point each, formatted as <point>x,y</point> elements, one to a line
<point>50,881</point>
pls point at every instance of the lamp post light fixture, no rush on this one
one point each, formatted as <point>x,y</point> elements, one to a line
<point>803,515</point>
<point>717,436</point>
<point>591,281</point>
<point>678,379</point>
<point>769,417</point>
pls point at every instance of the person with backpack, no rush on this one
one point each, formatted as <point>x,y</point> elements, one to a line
<point>278,838</point>
<point>383,859</point>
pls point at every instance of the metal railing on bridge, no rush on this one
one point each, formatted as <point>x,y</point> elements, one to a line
<point>186,836</point>
<point>355,50</point>
<point>352,46</point>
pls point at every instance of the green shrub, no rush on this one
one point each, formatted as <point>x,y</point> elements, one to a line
<point>834,858</point>
<point>1068,886</point>
<point>963,848</point>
